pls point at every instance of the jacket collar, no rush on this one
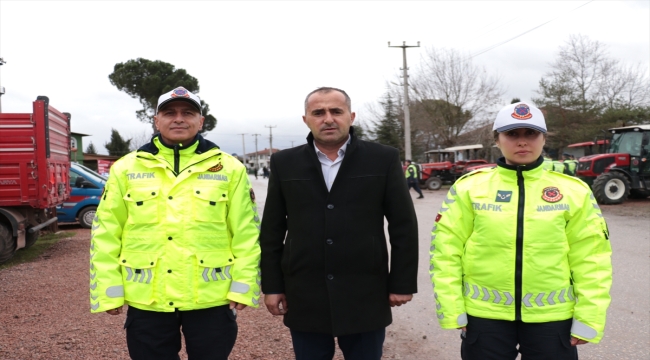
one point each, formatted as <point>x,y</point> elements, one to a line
<point>203,145</point>
<point>531,171</point>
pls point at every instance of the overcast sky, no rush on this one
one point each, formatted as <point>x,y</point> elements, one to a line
<point>256,61</point>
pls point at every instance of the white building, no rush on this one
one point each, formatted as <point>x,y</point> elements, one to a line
<point>259,159</point>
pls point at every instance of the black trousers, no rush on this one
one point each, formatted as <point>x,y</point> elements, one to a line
<point>209,333</point>
<point>415,185</point>
<point>316,346</point>
<point>488,339</point>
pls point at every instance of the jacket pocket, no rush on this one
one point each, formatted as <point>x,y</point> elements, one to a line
<point>209,204</point>
<point>138,275</point>
<point>142,204</point>
<point>213,275</point>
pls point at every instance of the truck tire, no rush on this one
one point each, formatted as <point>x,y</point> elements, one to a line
<point>86,216</point>
<point>7,243</point>
<point>611,188</point>
<point>30,239</point>
<point>433,183</point>
<point>639,194</point>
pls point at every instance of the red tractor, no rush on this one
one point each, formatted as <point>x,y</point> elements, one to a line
<point>433,175</point>
<point>624,170</point>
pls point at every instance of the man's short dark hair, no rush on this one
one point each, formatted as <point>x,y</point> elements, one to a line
<point>327,89</point>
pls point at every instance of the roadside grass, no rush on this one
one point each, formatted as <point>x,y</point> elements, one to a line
<point>44,242</point>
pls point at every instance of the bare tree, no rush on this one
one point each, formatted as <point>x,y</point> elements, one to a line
<point>587,90</point>
<point>453,94</point>
<point>626,87</point>
<point>139,139</point>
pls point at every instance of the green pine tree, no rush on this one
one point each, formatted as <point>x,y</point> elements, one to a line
<point>117,146</point>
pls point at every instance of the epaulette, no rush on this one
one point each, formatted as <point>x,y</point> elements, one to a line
<point>481,170</point>
<point>573,178</point>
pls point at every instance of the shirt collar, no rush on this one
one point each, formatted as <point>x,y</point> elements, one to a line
<point>341,151</point>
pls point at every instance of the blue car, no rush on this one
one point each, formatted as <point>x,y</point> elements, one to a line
<point>86,187</point>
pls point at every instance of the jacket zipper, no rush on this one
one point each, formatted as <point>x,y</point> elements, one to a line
<point>520,243</point>
<point>177,158</point>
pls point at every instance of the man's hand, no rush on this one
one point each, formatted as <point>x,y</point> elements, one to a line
<point>575,341</point>
<point>273,302</point>
<point>236,305</point>
<point>115,311</point>
<point>399,299</point>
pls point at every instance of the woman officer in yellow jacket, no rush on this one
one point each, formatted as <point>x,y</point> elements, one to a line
<point>520,255</point>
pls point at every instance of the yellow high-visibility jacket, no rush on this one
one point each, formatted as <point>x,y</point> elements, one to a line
<point>521,243</point>
<point>175,229</point>
<point>411,172</point>
<point>547,164</point>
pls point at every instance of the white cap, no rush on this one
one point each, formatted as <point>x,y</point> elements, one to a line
<point>180,93</point>
<point>519,115</point>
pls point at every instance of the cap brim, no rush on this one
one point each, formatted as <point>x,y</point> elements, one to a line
<point>162,104</point>
<point>519,126</point>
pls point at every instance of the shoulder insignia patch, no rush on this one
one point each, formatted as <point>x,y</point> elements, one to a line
<point>252,195</point>
<point>551,194</point>
<point>216,168</point>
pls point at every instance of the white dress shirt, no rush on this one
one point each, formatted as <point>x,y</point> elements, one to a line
<point>331,168</point>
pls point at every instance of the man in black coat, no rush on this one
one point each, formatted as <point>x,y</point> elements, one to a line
<point>325,261</point>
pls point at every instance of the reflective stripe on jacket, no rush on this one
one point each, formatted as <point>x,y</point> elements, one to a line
<point>175,229</point>
<point>518,243</point>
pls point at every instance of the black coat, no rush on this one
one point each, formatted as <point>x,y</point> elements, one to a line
<point>326,251</point>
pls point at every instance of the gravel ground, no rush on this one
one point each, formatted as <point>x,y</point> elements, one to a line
<point>44,308</point>
<point>45,314</point>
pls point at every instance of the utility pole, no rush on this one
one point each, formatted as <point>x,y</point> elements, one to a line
<point>257,155</point>
<point>270,140</point>
<point>407,115</point>
<point>243,144</point>
<point>2,89</point>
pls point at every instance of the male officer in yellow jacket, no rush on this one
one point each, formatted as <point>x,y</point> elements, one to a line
<point>176,239</point>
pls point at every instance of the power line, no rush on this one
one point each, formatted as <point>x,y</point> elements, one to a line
<point>524,33</point>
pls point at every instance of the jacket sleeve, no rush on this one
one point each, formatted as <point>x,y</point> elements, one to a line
<point>244,227</point>
<point>402,231</point>
<point>274,229</point>
<point>451,229</point>
<point>106,287</point>
<point>591,269</point>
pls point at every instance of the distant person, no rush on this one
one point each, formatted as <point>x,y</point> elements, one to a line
<point>176,239</point>
<point>325,258</point>
<point>412,178</point>
<point>520,256</point>
<point>265,172</point>
<point>547,163</point>
<point>255,171</point>
<point>570,164</point>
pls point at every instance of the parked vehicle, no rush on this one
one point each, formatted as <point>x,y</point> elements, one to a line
<point>87,187</point>
<point>433,175</point>
<point>34,163</point>
<point>624,170</point>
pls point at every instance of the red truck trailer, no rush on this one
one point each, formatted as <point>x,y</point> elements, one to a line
<point>34,164</point>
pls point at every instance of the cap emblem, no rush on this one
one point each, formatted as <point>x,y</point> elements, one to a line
<point>551,194</point>
<point>180,92</point>
<point>522,112</point>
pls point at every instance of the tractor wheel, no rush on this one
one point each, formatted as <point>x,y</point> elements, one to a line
<point>86,216</point>
<point>639,194</point>
<point>433,183</point>
<point>30,239</point>
<point>7,243</point>
<point>611,188</point>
